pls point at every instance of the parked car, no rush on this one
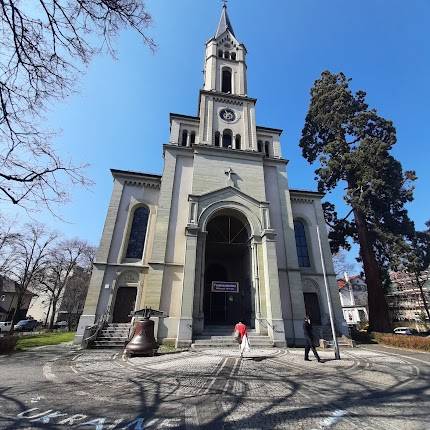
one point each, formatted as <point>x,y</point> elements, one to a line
<point>62,325</point>
<point>5,326</point>
<point>404,330</point>
<point>25,325</point>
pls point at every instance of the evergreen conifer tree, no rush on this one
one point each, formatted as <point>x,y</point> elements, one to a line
<point>352,144</point>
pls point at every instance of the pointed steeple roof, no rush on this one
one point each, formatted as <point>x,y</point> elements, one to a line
<point>224,23</point>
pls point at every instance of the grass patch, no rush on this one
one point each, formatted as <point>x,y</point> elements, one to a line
<point>411,342</point>
<point>25,342</point>
<point>169,349</point>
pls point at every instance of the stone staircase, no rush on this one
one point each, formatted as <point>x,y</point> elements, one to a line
<point>326,339</point>
<point>112,336</point>
<point>341,341</point>
<point>222,337</point>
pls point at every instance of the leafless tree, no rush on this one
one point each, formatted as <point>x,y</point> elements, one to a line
<point>43,45</point>
<point>31,255</point>
<point>73,300</point>
<point>65,261</point>
<point>342,265</point>
<point>8,239</point>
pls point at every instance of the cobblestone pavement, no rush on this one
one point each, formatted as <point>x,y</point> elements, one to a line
<point>215,389</point>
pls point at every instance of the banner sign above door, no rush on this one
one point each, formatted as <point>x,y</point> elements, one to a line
<point>225,287</point>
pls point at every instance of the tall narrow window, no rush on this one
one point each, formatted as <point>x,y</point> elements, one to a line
<point>226,81</point>
<point>184,138</point>
<point>233,55</point>
<point>301,244</point>
<point>217,138</point>
<point>193,137</point>
<point>227,139</point>
<point>266,148</point>
<point>226,55</point>
<point>238,143</point>
<point>220,53</point>
<point>260,146</point>
<point>136,240</point>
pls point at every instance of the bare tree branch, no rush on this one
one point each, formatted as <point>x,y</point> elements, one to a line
<point>43,45</point>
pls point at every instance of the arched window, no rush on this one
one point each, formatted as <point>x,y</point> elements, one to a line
<point>233,56</point>
<point>226,55</point>
<point>238,141</point>
<point>260,146</point>
<point>136,240</point>
<point>226,81</point>
<point>193,137</point>
<point>301,244</point>
<point>220,53</point>
<point>227,139</point>
<point>266,148</point>
<point>184,138</point>
<point>217,138</point>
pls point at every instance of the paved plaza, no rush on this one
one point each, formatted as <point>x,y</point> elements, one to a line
<point>370,388</point>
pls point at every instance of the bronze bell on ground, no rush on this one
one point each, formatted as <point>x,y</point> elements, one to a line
<point>143,341</point>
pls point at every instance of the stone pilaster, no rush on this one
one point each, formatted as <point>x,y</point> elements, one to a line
<point>273,296</point>
<point>185,325</point>
<point>152,290</point>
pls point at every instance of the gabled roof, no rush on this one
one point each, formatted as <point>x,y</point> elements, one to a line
<point>132,173</point>
<point>224,23</point>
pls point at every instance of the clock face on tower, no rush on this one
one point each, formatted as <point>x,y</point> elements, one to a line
<point>227,115</point>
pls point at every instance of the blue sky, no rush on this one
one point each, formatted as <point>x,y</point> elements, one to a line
<point>119,117</point>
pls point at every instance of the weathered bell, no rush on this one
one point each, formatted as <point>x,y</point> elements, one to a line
<point>143,341</point>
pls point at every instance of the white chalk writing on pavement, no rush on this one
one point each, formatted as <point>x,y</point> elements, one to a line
<point>51,416</point>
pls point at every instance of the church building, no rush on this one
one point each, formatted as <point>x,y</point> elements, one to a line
<point>218,237</point>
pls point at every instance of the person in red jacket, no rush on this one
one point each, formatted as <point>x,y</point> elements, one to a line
<point>242,330</point>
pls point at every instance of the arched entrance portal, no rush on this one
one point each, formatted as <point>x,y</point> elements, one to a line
<point>227,287</point>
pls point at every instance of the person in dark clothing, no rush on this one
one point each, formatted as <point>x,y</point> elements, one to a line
<point>307,329</point>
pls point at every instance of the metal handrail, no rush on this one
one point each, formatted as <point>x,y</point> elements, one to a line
<point>103,320</point>
<point>268,323</point>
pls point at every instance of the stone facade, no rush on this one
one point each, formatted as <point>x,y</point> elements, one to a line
<point>218,166</point>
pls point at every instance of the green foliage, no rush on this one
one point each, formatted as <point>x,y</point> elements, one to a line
<point>352,143</point>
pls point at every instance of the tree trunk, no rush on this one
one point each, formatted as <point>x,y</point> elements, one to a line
<point>17,308</point>
<point>53,310</point>
<point>423,296</point>
<point>47,313</point>
<point>378,310</point>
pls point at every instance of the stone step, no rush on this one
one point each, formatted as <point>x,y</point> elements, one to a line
<point>263,339</point>
<point>226,332</point>
<point>230,343</point>
<point>112,338</point>
<point>341,341</point>
<point>108,344</point>
<point>118,325</point>
<point>113,335</point>
<point>121,332</point>
<point>252,337</point>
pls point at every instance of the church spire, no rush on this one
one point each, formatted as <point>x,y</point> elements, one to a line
<point>224,22</point>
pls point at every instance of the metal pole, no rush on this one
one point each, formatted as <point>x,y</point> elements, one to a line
<point>330,308</point>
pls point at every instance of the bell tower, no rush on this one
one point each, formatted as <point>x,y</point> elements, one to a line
<point>225,67</point>
<point>227,114</point>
